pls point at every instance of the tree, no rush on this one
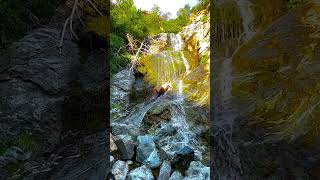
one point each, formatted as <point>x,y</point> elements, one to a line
<point>154,21</point>
<point>166,16</point>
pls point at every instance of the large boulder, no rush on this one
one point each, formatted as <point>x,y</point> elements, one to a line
<point>197,171</point>
<point>119,170</point>
<point>147,152</point>
<point>145,147</point>
<point>38,82</point>
<point>125,145</point>
<point>33,78</point>
<point>176,175</point>
<point>142,172</point>
<point>165,170</point>
<point>120,89</point>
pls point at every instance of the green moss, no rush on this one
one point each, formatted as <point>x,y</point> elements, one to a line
<point>116,106</point>
<point>25,141</point>
<point>28,142</point>
<point>205,18</point>
<point>296,3</point>
<point>205,59</point>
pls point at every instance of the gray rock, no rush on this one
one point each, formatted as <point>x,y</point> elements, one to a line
<point>121,85</point>
<point>125,145</point>
<point>120,128</point>
<point>111,159</point>
<point>120,89</point>
<point>35,79</point>
<point>145,148</point>
<point>159,109</point>
<point>113,146</point>
<point>94,164</point>
<point>197,171</point>
<point>154,160</point>
<point>119,170</point>
<point>141,173</point>
<point>139,85</point>
<point>197,155</point>
<point>36,72</point>
<point>17,154</point>
<point>176,175</point>
<point>123,80</point>
<point>165,171</point>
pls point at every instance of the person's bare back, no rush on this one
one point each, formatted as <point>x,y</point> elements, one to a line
<point>162,89</point>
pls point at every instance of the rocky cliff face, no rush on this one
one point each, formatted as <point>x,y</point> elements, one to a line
<point>274,92</point>
<point>282,62</point>
<point>45,94</point>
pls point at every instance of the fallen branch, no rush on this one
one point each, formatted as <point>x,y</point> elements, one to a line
<point>69,20</point>
<point>135,59</point>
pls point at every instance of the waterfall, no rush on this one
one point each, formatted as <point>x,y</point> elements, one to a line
<point>227,164</point>
<point>170,66</point>
<point>176,41</point>
<point>247,18</point>
<point>186,63</point>
<point>180,86</point>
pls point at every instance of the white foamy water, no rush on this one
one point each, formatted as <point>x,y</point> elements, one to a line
<point>186,63</point>
<point>176,41</point>
<point>247,17</point>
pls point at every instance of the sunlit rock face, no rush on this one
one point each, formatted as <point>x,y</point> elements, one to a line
<point>277,76</point>
<point>183,56</point>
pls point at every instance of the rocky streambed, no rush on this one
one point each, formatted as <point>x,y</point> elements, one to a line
<point>154,140</point>
<point>163,138</point>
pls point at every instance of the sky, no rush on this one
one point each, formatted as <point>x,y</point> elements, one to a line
<point>171,6</point>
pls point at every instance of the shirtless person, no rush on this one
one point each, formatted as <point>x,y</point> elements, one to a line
<point>162,90</point>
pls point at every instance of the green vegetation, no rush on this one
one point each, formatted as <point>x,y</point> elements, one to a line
<point>267,11</point>
<point>296,3</point>
<point>127,19</point>
<point>176,25</point>
<point>202,4</point>
<point>24,141</point>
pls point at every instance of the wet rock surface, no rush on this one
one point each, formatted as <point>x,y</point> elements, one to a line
<point>198,171</point>
<point>119,170</point>
<point>125,145</point>
<point>265,144</point>
<point>176,175</point>
<point>142,172</point>
<point>165,170</point>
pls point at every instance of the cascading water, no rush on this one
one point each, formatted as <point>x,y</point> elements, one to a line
<point>169,66</point>
<point>176,41</point>
<point>227,163</point>
<point>186,63</point>
<point>247,18</point>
